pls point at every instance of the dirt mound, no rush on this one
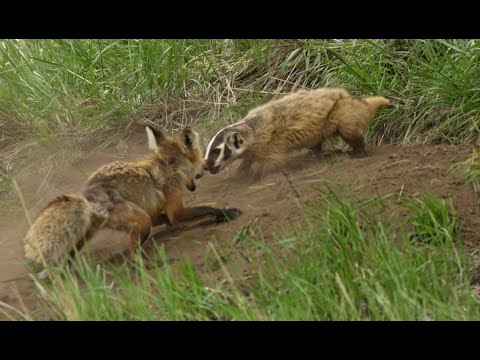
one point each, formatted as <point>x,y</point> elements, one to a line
<point>272,203</point>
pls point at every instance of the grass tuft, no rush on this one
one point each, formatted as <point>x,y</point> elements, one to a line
<point>346,263</point>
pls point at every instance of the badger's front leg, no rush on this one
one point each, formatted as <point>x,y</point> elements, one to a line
<point>244,168</point>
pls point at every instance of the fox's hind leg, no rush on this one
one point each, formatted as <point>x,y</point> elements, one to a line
<point>80,243</point>
<point>130,218</point>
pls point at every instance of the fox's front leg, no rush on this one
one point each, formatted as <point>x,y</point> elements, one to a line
<point>199,212</point>
<point>176,213</point>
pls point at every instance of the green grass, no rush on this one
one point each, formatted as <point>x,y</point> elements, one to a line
<point>57,92</point>
<point>90,85</point>
<point>347,262</point>
<point>470,169</point>
<point>433,219</point>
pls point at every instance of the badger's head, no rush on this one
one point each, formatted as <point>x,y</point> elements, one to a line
<point>226,146</point>
<point>184,152</point>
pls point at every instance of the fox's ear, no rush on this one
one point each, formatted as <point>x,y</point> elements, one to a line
<point>154,137</point>
<point>190,138</point>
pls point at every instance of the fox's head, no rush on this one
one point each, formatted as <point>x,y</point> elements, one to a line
<point>183,152</point>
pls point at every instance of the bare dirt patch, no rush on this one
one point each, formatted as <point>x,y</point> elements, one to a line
<point>272,202</point>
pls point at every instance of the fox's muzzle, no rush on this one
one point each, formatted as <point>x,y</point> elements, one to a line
<point>199,175</point>
<point>192,187</point>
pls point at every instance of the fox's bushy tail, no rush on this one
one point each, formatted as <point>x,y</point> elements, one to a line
<point>62,224</point>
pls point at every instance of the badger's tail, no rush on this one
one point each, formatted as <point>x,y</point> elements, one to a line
<point>376,102</point>
<point>63,224</point>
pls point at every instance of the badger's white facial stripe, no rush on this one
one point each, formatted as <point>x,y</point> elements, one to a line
<point>210,143</point>
<point>219,159</point>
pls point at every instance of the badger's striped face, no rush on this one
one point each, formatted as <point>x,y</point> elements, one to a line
<point>223,148</point>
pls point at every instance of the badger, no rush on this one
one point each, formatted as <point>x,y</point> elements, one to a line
<point>265,137</point>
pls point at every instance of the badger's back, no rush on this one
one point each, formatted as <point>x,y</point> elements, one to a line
<point>52,234</point>
<point>303,110</point>
<point>305,107</point>
<point>295,121</point>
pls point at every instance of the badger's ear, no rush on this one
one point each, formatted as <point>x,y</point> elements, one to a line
<point>154,137</point>
<point>235,139</point>
<point>190,138</point>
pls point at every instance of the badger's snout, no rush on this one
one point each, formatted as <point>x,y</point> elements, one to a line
<point>215,170</point>
<point>209,166</point>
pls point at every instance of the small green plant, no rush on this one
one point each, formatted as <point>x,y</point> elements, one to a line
<point>432,219</point>
<point>471,169</point>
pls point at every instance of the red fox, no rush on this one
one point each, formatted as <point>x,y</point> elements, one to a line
<point>126,196</point>
<point>304,119</point>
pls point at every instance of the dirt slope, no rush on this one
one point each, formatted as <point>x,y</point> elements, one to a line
<point>272,201</point>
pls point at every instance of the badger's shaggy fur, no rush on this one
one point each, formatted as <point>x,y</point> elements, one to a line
<point>304,119</point>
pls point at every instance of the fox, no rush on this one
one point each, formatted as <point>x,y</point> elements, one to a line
<point>265,137</point>
<point>131,197</point>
